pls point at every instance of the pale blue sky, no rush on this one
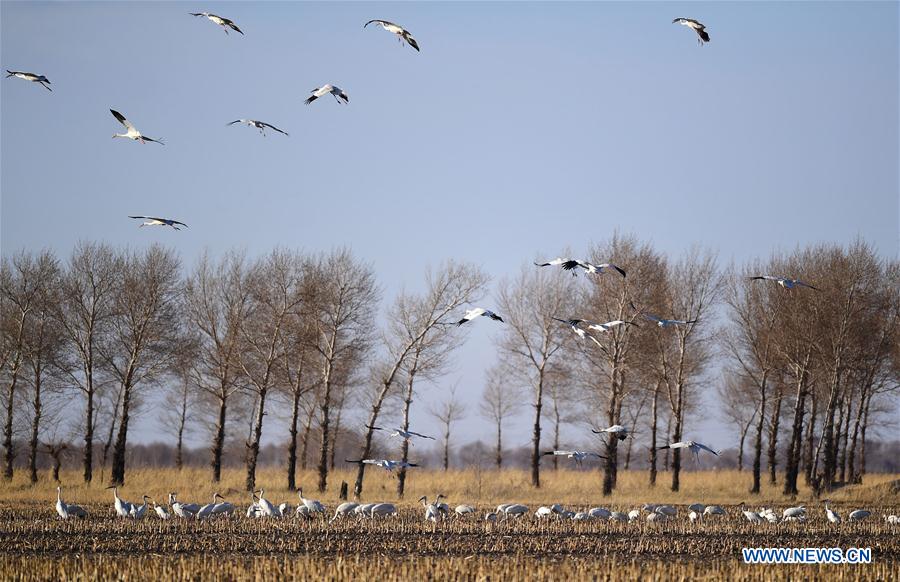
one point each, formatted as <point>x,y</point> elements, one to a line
<point>520,129</point>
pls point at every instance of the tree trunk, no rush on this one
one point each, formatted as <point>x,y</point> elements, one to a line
<point>335,433</point>
<point>611,469</point>
<point>760,426</point>
<point>8,427</point>
<point>404,446</point>
<point>628,453</point>
<point>35,427</point>
<point>219,441</point>
<point>845,439</point>
<point>109,437</point>
<point>307,429</point>
<point>810,440</point>
<point>826,448</point>
<point>447,446</point>
<point>774,422</point>
<point>862,450</point>
<point>854,439</point>
<point>253,447</point>
<point>555,433</point>
<point>57,463</point>
<point>182,421</point>
<point>654,422</point>
<point>118,463</point>
<point>88,453</point>
<point>292,443</point>
<point>499,458</point>
<point>795,447</point>
<point>536,435</point>
<point>676,457</point>
<point>666,457</point>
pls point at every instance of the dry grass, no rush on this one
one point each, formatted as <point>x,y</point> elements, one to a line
<point>36,545</point>
<point>483,488</point>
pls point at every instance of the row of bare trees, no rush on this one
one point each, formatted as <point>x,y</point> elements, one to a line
<point>817,359</point>
<point>232,341</point>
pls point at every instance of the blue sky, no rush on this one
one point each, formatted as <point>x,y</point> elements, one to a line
<point>519,130</point>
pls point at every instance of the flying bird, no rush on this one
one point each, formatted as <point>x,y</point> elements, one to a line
<point>260,125</point>
<point>784,281</point>
<point>337,92</point>
<point>577,456</point>
<point>33,77</point>
<point>154,221</point>
<point>667,322</point>
<point>609,325</point>
<point>478,312</point>
<point>571,264</point>
<point>698,27</point>
<point>404,434</point>
<point>221,21</point>
<point>402,33</point>
<point>694,447</point>
<point>132,132</point>
<point>617,430</point>
<point>386,464</point>
<point>573,324</point>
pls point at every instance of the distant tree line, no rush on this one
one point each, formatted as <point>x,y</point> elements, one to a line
<point>89,343</point>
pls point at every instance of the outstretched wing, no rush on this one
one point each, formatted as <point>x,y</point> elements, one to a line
<point>424,436</point>
<point>706,448</point>
<point>410,40</point>
<point>270,126</point>
<point>620,270</point>
<point>121,119</point>
<point>233,26</point>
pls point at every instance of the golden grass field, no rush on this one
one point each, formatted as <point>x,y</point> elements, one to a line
<point>35,545</point>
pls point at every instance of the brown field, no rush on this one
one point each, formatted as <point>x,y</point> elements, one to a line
<point>34,544</point>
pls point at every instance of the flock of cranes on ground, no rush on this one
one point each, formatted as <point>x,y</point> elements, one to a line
<point>438,510</point>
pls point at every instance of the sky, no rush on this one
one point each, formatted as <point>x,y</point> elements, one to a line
<point>520,130</point>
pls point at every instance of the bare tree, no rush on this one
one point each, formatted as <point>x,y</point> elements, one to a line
<point>695,285</point>
<point>854,276</point>
<point>145,333</point>
<point>217,304</point>
<point>612,369</point>
<point>750,343</point>
<point>739,405</point>
<point>345,308</point>
<point>498,403</point>
<point>298,364</point>
<point>84,312</point>
<point>26,283</point>
<point>447,412</point>
<point>276,285</point>
<point>180,410</point>
<point>453,286</point>
<point>532,340</point>
<point>430,355</point>
<point>44,344</point>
